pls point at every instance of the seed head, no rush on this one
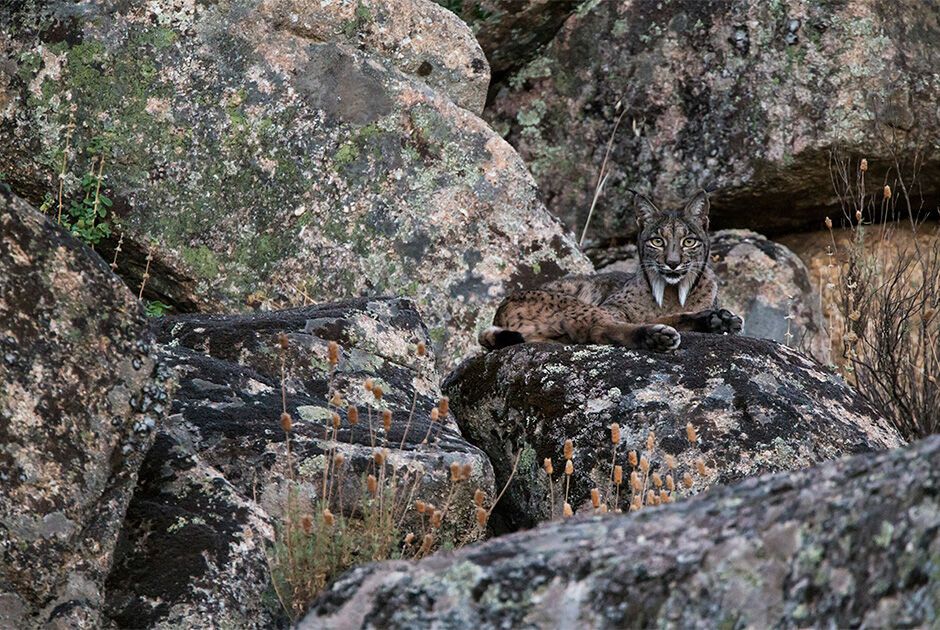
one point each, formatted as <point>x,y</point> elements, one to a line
<point>863,166</point>
<point>377,392</point>
<point>482,517</point>
<point>858,216</point>
<point>700,467</point>
<point>569,449</point>
<point>435,414</point>
<point>420,506</point>
<point>465,471</point>
<point>378,457</point>
<point>444,405</point>
<point>336,400</point>
<point>644,464</point>
<point>650,441</point>
<point>887,192</point>
<point>670,483</point>
<point>409,538</point>
<point>566,510</point>
<point>478,497</point>
<point>691,433</point>
<point>436,517</point>
<point>635,482</point>
<point>454,471</point>
<point>421,349</point>
<point>618,475</point>
<point>651,497</point>
<point>636,503</point>
<point>328,517</point>
<point>306,523</point>
<point>631,457</point>
<point>332,353</point>
<point>286,423</point>
<point>387,419</point>
<point>615,433</point>
<point>368,384</point>
<point>828,223</point>
<point>282,341</point>
<point>569,467</point>
<point>547,465</point>
<point>336,420</point>
<point>664,496</point>
<point>670,462</point>
<point>595,498</point>
<point>687,480</point>
<point>657,480</point>
<point>338,459</point>
<point>427,543</point>
<point>372,484</point>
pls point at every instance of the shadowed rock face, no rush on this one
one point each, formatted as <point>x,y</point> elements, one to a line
<point>742,97</point>
<point>757,406</point>
<point>217,478</point>
<point>80,397</point>
<point>760,280</point>
<point>278,165</point>
<point>852,543</point>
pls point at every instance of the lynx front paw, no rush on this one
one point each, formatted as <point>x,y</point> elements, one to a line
<point>722,321</point>
<point>661,338</point>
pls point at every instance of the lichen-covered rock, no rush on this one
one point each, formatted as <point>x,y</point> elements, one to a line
<point>745,98</point>
<point>79,401</point>
<point>757,407</point>
<point>225,428</point>
<point>853,543</point>
<point>760,280</point>
<point>512,31</point>
<point>191,553</point>
<point>259,167</point>
<point>420,38</point>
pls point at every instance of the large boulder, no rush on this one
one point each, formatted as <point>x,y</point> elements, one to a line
<point>257,166</point>
<point>79,400</point>
<point>745,98</point>
<point>762,281</point>
<point>220,467</point>
<point>757,407</point>
<point>852,543</point>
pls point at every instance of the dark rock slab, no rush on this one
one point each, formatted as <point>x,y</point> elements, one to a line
<point>852,543</point>
<point>757,406</point>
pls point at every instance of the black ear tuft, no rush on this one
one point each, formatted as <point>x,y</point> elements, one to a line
<point>696,209</point>
<point>644,209</point>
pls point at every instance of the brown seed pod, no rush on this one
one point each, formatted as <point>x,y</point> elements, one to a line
<point>547,465</point>
<point>444,405</point>
<point>387,419</point>
<point>478,497</point>
<point>332,353</point>
<point>286,422</point>
<point>569,449</point>
<point>615,433</point>
<point>618,475</point>
<point>372,484</point>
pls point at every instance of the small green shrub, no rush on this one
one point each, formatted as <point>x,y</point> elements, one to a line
<point>87,218</point>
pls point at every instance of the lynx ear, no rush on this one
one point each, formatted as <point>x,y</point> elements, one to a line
<point>643,208</point>
<point>697,208</point>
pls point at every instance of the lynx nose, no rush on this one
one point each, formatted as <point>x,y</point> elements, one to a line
<point>673,263</point>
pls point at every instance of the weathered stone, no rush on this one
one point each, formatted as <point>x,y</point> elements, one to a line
<point>744,98</point>
<point>852,543</point>
<point>512,31</point>
<point>225,427</point>
<point>79,402</point>
<point>418,37</point>
<point>760,280</point>
<point>757,406</point>
<point>259,167</point>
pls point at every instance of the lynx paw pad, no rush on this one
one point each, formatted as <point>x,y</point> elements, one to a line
<point>661,338</point>
<point>724,321</point>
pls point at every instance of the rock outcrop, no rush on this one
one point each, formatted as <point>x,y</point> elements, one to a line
<point>760,280</point>
<point>757,407</point>
<point>217,479</point>
<point>277,167</point>
<point>852,543</point>
<point>80,397</point>
<point>744,98</point>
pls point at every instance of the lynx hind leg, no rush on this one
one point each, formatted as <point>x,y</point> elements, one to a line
<point>495,337</point>
<point>719,321</point>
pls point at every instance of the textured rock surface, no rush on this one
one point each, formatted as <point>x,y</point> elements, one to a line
<point>79,399</point>
<point>762,281</point>
<point>744,98</point>
<point>225,451</point>
<point>853,543</point>
<point>512,31</point>
<point>758,407</point>
<point>419,37</point>
<point>272,166</point>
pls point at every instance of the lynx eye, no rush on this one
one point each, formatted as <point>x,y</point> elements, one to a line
<point>657,242</point>
<point>689,242</point>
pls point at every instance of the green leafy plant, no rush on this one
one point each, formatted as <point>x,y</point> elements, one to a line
<point>87,217</point>
<point>156,308</point>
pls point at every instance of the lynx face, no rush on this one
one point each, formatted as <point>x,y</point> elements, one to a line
<point>673,244</point>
